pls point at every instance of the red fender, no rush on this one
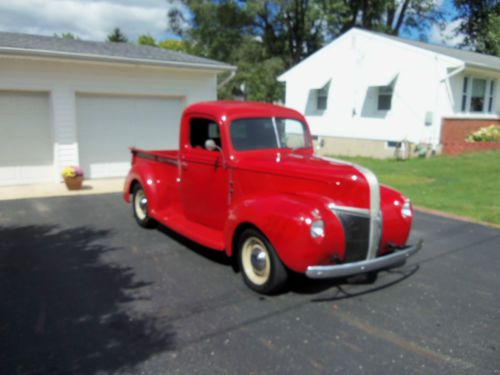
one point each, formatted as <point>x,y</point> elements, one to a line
<point>285,220</point>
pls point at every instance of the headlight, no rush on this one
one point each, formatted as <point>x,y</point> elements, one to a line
<point>406,209</point>
<point>318,229</point>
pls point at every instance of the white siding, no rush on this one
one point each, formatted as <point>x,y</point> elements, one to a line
<point>63,79</point>
<point>354,62</point>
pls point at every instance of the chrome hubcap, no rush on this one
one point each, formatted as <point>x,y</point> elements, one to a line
<point>141,205</point>
<point>258,259</point>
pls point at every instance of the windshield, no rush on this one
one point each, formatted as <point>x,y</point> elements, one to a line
<point>269,132</point>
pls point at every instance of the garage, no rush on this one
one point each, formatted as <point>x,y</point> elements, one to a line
<point>109,124</point>
<point>73,102</point>
<point>26,149</point>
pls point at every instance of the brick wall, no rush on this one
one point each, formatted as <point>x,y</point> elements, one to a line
<point>454,131</point>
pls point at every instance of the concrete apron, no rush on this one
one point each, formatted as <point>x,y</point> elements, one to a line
<point>101,186</point>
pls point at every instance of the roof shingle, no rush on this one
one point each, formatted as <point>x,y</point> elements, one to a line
<point>468,57</point>
<point>36,44</point>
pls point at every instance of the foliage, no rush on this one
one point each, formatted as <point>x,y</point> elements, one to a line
<point>174,45</point>
<point>69,36</point>
<point>146,40</point>
<point>117,36</point>
<point>263,38</point>
<point>71,172</point>
<point>465,185</point>
<point>485,134</point>
<point>480,22</point>
<point>388,16</point>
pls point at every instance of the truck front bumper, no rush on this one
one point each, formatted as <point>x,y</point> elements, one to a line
<point>396,258</point>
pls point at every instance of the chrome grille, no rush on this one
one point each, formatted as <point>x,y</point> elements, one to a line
<point>357,236</point>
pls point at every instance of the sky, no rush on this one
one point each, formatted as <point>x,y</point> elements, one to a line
<point>447,36</point>
<point>87,19</point>
<point>95,19</point>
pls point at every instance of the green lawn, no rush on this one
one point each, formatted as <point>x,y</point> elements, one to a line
<point>466,185</point>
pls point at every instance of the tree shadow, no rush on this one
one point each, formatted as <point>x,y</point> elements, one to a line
<point>64,309</point>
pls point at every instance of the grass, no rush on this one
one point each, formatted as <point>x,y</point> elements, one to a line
<point>466,185</point>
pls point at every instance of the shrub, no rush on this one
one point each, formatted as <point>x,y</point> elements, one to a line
<point>485,134</point>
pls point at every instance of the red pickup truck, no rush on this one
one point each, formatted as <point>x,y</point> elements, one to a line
<point>245,181</point>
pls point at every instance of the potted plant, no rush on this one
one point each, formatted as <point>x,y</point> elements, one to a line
<point>73,177</point>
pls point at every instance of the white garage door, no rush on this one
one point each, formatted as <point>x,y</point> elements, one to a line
<point>108,125</point>
<point>26,149</point>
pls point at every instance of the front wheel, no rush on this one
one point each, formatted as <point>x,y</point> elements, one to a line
<point>260,267</point>
<point>140,207</point>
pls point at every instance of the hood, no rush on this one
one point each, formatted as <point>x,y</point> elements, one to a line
<point>344,183</point>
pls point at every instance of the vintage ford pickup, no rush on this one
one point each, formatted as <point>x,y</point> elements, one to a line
<point>245,181</point>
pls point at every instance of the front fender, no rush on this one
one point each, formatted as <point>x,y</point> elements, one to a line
<point>285,220</point>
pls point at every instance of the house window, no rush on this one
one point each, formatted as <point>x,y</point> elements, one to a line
<point>477,95</point>
<point>322,98</point>
<point>384,98</point>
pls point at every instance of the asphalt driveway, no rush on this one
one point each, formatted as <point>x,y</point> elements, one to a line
<point>84,290</point>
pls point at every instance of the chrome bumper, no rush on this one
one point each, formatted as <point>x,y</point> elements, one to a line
<point>376,264</point>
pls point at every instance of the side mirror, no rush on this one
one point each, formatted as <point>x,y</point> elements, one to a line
<point>210,145</point>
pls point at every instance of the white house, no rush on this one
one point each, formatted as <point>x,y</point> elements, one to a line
<point>70,102</point>
<point>366,92</point>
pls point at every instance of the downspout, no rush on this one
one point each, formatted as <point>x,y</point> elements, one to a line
<point>227,80</point>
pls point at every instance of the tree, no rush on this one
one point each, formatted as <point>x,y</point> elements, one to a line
<point>117,36</point>
<point>146,40</point>
<point>388,16</point>
<point>265,37</point>
<point>69,36</point>
<point>174,45</point>
<point>480,23</point>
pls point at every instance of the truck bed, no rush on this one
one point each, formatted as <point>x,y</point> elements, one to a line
<point>156,155</point>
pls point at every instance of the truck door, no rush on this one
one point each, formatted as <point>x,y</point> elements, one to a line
<point>204,179</point>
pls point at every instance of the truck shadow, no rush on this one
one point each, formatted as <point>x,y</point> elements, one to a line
<point>350,287</point>
<point>300,284</point>
<point>66,310</point>
<point>213,255</point>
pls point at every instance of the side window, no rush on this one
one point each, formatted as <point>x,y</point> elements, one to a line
<point>291,133</point>
<point>201,129</point>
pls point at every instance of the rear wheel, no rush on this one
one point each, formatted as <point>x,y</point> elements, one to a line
<point>260,267</point>
<point>140,207</point>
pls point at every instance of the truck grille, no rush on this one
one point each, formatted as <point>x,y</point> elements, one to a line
<point>357,236</point>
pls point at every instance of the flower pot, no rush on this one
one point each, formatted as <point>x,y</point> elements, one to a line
<point>73,183</point>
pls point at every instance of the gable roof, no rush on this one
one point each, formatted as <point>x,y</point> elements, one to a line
<point>47,46</point>
<point>468,57</point>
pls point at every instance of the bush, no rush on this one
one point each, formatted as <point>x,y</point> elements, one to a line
<point>485,134</point>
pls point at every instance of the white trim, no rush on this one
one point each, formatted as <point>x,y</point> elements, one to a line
<point>472,116</point>
<point>119,59</point>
